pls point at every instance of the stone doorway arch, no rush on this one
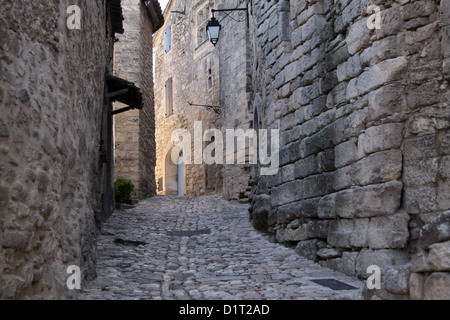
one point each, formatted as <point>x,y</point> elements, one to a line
<point>174,174</point>
<point>170,174</point>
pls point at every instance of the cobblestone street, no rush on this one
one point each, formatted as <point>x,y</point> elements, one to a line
<point>201,248</point>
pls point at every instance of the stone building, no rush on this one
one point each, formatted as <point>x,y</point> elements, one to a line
<point>193,73</point>
<point>361,96</point>
<point>56,148</point>
<point>235,47</point>
<point>134,130</point>
<point>186,94</point>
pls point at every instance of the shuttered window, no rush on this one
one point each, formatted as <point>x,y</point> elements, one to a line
<point>168,38</point>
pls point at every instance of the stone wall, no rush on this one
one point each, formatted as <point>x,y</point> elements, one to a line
<point>235,47</point>
<point>147,142</point>
<point>134,136</point>
<point>363,115</point>
<point>51,100</point>
<point>194,70</point>
<point>127,66</point>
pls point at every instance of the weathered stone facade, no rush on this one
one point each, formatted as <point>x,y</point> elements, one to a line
<point>364,116</point>
<point>205,75</point>
<point>134,130</point>
<point>52,177</point>
<point>235,47</point>
<point>187,72</point>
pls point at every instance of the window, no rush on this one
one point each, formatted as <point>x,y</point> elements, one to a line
<point>209,73</point>
<point>202,21</point>
<point>169,98</point>
<point>168,38</point>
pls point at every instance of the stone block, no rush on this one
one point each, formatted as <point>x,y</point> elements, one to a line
<point>348,263</point>
<point>386,101</point>
<point>319,105</point>
<point>315,24</point>
<point>299,209</point>
<point>317,229</point>
<point>362,202</point>
<point>388,231</point>
<point>346,153</point>
<point>342,178</point>
<point>351,12</point>
<point>310,92</point>
<point>325,160</point>
<point>11,285</point>
<point>417,9</point>
<point>279,80</point>
<point>287,173</point>
<point>424,95</point>
<point>289,234</point>
<point>305,167</point>
<point>423,73</point>
<point>284,155</point>
<point>381,74</point>
<point>419,262</point>
<point>339,94</point>
<point>420,173</point>
<point>288,192</point>
<point>420,199</point>
<point>382,258</point>
<point>396,280</point>
<point>318,185</point>
<point>309,248</point>
<point>438,230</point>
<point>351,126</point>
<point>16,239</point>
<point>349,69</point>
<point>436,286</point>
<point>379,167</point>
<point>378,138</point>
<point>295,151</point>
<point>439,256</point>
<point>416,284</point>
<point>334,57</point>
<point>335,264</point>
<point>308,60</point>
<point>358,36</point>
<point>328,253</point>
<point>421,147</point>
<point>346,233</point>
<point>327,207</point>
<point>352,89</point>
<point>391,22</point>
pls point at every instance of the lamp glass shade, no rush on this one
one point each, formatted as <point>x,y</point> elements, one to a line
<point>213,29</point>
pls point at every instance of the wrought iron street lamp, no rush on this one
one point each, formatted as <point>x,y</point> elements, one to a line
<point>213,27</point>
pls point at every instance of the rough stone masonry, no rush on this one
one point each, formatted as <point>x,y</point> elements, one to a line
<point>365,157</point>
<point>51,96</point>
<point>56,139</point>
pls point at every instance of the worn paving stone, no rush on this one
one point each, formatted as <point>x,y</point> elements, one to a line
<point>233,261</point>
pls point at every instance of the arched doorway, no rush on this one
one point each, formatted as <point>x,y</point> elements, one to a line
<point>170,175</point>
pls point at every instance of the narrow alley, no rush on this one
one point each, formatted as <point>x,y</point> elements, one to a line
<point>201,248</point>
